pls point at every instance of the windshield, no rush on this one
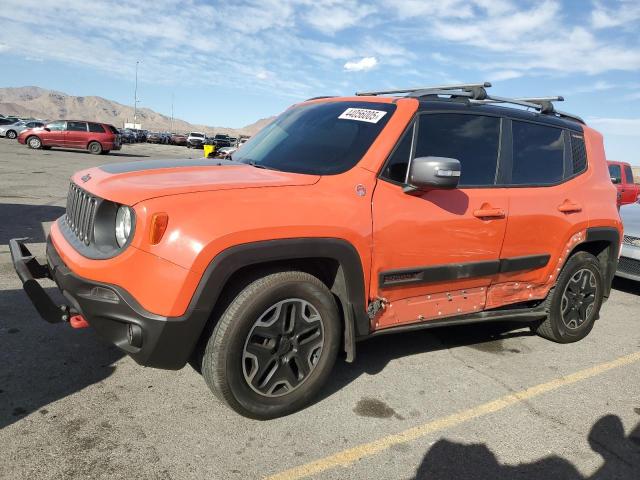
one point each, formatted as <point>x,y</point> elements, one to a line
<point>199,135</point>
<point>317,139</point>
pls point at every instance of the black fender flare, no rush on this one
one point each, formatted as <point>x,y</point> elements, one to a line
<point>610,235</point>
<point>349,284</point>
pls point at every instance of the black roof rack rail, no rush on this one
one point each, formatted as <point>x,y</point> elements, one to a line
<point>476,93</point>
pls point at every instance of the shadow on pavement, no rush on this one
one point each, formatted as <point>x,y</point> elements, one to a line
<point>374,355</point>
<point>626,285</point>
<point>620,454</point>
<point>22,220</point>
<point>40,362</point>
<point>110,154</point>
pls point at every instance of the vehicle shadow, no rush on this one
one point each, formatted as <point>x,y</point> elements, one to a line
<point>620,453</point>
<point>113,153</point>
<point>626,285</point>
<point>41,362</point>
<point>374,355</point>
<point>22,220</point>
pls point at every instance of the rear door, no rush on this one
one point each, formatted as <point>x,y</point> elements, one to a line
<point>435,254</point>
<point>77,135</point>
<point>630,192</point>
<point>54,134</point>
<point>547,206</point>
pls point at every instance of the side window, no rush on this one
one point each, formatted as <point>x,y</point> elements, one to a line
<point>578,153</point>
<point>538,154</point>
<point>96,128</point>
<point>629,174</point>
<point>396,168</point>
<point>77,126</point>
<point>615,173</point>
<point>474,140</point>
<point>56,126</point>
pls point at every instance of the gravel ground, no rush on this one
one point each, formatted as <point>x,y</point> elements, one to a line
<point>73,407</point>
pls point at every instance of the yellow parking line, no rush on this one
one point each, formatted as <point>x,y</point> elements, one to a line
<point>346,457</point>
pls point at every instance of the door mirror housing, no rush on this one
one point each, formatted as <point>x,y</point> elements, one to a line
<point>615,180</point>
<point>47,129</point>
<point>431,173</point>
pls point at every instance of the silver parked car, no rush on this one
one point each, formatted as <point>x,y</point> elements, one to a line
<point>629,264</point>
<point>14,129</point>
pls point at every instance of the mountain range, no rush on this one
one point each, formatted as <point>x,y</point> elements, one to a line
<point>40,103</point>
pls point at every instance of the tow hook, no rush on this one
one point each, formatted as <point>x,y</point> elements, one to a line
<point>78,321</point>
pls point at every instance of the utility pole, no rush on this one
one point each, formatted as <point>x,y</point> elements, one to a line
<point>135,98</point>
<point>172,131</point>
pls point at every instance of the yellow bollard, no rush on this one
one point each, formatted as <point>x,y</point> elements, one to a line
<point>208,150</point>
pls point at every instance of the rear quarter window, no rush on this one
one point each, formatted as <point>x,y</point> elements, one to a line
<point>96,128</point>
<point>629,174</point>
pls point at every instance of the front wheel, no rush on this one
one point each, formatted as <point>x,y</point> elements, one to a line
<point>274,346</point>
<point>34,142</point>
<point>11,134</point>
<point>574,303</point>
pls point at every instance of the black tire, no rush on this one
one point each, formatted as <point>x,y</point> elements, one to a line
<point>11,134</point>
<point>95,148</point>
<point>226,357</point>
<point>34,142</point>
<point>573,305</point>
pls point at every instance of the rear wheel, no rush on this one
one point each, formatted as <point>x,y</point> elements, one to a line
<point>274,346</point>
<point>574,303</point>
<point>34,142</point>
<point>11,134</point>
<point>95,148</point>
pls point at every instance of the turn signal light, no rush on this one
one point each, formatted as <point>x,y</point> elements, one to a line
<point>159,223</point>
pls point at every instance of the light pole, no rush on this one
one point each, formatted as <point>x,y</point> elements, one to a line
<point>172,113</point>
<point>135,98</point>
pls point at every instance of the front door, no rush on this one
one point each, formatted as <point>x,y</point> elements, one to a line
<point>54,134</point>
<point>434,255</point>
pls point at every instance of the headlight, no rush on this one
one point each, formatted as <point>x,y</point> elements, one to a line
<point>123,225</point>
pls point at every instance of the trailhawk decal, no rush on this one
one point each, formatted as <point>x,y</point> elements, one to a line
<point>362,115</point>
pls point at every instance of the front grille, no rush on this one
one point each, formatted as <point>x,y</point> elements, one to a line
<point>629,265</point>
<point>81,211</point>
<point>629,240</point>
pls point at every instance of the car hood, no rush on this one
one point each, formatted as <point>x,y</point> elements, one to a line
<point>132,182</point>
<point>630,215</point>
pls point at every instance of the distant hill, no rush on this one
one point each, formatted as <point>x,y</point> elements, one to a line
<point>51,105</point>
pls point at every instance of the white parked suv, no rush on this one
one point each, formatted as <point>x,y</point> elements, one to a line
<point>195,140</point>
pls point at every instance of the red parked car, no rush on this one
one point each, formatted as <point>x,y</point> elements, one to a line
<point>622,176</point>
<point>97,138</point>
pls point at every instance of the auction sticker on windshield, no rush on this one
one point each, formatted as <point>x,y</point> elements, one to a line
<point>362,115</point>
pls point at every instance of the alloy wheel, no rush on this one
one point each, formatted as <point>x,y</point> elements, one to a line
<point>283,347</point>
<point>578,299</point>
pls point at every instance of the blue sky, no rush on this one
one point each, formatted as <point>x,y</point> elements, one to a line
<point>230,63</point>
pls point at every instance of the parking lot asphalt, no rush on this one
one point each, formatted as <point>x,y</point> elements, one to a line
<point>486,401</point>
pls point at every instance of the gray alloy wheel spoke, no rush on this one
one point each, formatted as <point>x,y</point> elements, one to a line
<point>578,298</point>
<point>283,347</point>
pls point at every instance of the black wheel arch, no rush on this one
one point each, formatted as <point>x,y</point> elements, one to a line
<point>334,261</point>
<point>604,244</point>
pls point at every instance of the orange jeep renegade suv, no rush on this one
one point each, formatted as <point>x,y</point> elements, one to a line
<point>344,218</point>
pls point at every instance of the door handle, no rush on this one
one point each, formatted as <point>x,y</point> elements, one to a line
<point>569,207</point>
<point>487,211</point>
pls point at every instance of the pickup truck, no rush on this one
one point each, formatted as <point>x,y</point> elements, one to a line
<point>622,177</point>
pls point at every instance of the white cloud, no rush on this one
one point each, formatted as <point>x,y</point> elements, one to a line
<point>331,16</point>
<point>627,11</point>
<point>504,75</point>
<point>627,127</point>
<point>366,63</point>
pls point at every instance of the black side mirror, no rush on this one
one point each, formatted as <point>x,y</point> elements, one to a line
<point>430,173</point>
<point>615,180</point>
<point>47,129</point>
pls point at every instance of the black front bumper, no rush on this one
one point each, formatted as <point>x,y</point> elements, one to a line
<point>151,340</point>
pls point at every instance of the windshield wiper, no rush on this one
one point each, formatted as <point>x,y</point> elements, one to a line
<point>253,163</point>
